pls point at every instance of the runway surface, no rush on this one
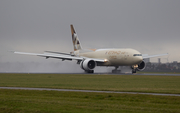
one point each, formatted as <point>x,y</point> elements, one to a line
<point>93,91</point>
<point>153,74</point>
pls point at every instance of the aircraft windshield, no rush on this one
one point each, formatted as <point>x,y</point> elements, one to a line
<point>137,55</point>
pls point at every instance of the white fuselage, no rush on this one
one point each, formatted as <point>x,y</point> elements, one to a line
<point>113,57</point>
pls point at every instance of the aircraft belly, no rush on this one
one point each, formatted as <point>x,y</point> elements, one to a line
<point>120,62</point>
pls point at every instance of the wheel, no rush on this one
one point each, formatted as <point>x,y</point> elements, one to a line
<point>133,71</point>
<point>90,71</point>
<point>113,71</point>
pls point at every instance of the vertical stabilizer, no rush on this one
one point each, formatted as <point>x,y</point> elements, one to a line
<point>76,43</point>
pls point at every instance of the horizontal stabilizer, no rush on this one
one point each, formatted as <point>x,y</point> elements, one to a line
<point>56,52</point>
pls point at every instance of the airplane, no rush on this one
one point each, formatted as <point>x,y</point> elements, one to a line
<point>88,59</point>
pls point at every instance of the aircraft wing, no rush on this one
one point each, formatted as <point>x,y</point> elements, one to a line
<point>151,56</point>
<point>60,56</point>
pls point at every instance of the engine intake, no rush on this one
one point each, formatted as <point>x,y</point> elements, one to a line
<point>141,66</point>
<point>88,64</point>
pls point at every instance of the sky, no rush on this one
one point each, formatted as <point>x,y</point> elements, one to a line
<point>149,26</point>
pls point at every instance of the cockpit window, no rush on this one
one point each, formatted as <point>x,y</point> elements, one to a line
<point>137,55</point>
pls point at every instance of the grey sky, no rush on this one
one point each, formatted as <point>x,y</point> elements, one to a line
<point>150,26</point>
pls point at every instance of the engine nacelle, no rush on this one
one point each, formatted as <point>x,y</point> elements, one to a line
<point>88,64</point>
<point>141,66</point>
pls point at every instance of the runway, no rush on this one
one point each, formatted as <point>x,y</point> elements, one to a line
<point>153,74</point>
<point>157,74</point>
<point>100,73</point>
<point>92,91</point>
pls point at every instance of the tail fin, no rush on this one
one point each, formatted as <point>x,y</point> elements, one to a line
<point>76,43</point>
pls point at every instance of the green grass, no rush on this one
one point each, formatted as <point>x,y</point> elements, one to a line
<point>132,83</point>
<point>25,101</point>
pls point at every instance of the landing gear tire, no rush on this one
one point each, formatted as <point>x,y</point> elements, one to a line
<point>90,71</point>
<point>133,71</point>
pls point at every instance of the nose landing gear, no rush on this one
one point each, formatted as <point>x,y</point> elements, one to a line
<point>133,71</point>
<point>134,68</point>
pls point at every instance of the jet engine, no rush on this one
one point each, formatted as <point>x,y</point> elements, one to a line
<point>141,66</point>
<point>88,64</point>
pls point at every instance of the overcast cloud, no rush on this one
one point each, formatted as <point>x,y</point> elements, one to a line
<point>150,26</point>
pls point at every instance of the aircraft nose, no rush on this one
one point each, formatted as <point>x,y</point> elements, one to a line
<point>139,59</point>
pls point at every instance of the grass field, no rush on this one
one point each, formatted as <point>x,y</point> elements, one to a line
<point>25,101</point>
<point>134,83</point>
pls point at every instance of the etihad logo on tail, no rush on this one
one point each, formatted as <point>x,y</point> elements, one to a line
<point>76,43</point>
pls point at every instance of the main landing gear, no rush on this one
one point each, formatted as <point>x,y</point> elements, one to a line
<point>125,69</point>
<point>116,70</point>
<point>90,71</point>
